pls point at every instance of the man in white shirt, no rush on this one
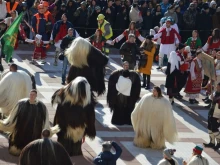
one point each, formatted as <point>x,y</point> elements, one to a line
<point>3,10</point>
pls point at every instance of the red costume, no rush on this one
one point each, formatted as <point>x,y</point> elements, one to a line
<point>209,47</point>
<point>39,51</point>
<point>194,86</point>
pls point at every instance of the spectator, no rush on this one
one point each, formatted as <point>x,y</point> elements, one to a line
<point>3,10</point>
<point>168,158</point>
<point>143,7</point>
<point>71,7</point>
<point>104,26</point>
<point>164,6</point>
<point>60,29</point>
<point>202,17</point>
<point>121,21</point>
<point>183,6</point>
<point>197,158</point>
<point>109,12</point>
<point>106,157</point>
<point>216,19</point>
<point>157,15</point>
<point>91,8</point>
<point>61,12</point>
<point>135,15</point>
<point>180,23</point>
<point>41,23</point>
<point>147,22</point>
<point>171,13</point>
<point>189,18</point>
<point>129,51</point>
<point>200,4</point>
<point>66,41</point>
<point>212,7</point>
<point>117,6</point>
<point>93,21</point>
<point>11,5</point>
<point>80,19</point>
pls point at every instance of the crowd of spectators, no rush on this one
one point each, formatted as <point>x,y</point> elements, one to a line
<point>188,15</point>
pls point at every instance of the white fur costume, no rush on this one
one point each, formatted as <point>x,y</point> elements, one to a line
<point>13,87</point>
<point>153,122</point>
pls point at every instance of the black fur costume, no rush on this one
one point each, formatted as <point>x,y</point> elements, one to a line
<point>122,106</point>
<point>75,120</point>
<point>25,124</point>
<point>94,73</point>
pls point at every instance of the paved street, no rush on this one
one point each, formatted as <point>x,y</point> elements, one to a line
<point>191,120</point>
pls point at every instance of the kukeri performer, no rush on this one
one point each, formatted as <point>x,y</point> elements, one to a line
<point>26,122</point>
<point>88,62</point>
<point>10,91</point>
<point>148,131</point>
<point>213,121</point>
<point>124,89</point>
<point>75,114</point>
<point>44,152</point>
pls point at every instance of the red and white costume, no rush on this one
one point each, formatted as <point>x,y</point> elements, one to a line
<point>209,47</point>
<point>169,38</point>
<point>194,82</point>
<point>39,51</point>
<point>127,32</point>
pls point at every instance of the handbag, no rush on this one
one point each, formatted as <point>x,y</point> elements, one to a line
<point>61,56</point>
<point>142,61</point>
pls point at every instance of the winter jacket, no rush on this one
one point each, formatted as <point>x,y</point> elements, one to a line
<point>109,17</point>
<point>173,15</point>
<point>164,7</point>
<point>216,20</point>
<point>80,17</point>
<point>189,18</point>
<point>107,158</point>
<point>66,41</point>
<point>203,21</point>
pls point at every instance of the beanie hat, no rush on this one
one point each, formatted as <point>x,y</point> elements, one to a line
<point>198,149</point>
<point>205,6</point>
<point>149,37</point>
<point>212,3</point>
<point>187,48</point>
<point>169,152</point>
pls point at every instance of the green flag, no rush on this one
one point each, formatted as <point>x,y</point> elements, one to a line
<point>10,36</point>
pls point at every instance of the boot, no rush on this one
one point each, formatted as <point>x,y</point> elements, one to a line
<point>211,144</point>
<point>217,136</point>
<point>144,81</point>
<point>171,100</point>
<point>148,82</point>
<point>56,58</point>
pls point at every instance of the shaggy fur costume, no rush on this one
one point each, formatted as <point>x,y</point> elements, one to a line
<point>25,124</point>
<point>13,87</point>
<point>44,152</point>
<point>122,105</point>
<point>88,62</point>
<point>153,122</point>
<point>75,114</point>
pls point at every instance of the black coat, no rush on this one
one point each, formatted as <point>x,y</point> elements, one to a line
<point>129,51</point>
<point>156,19</point>
<point>147,22</point>
<point>66,41</point>
<point>172,78</point>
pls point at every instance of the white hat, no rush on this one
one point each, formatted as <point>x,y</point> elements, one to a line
<point>212,3</point>
<point>123,86</point>
<point>152,32</point>
<point>38,36</point>
<point>187,48</point>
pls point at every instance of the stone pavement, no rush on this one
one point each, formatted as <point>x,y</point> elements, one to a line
<point>191,120</point>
